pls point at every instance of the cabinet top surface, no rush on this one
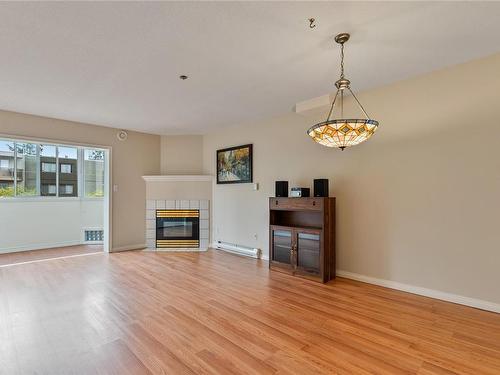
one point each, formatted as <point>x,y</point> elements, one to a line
<point>317,204</point>
<point>301,198</point>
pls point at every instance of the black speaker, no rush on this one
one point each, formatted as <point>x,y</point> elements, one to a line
<point>321,187</point>
<point>281,189</point>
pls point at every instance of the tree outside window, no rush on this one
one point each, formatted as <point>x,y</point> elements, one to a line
<point>93,165</point>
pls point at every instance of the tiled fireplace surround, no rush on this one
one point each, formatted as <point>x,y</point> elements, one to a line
<point>156,204</point>
<point>178,192</point>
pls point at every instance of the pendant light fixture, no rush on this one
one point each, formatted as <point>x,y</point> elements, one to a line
<point>343,132</point>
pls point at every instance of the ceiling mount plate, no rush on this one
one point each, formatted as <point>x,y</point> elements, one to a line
<point>342,38</point>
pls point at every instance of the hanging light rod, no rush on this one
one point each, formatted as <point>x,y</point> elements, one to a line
<point>343,132</point>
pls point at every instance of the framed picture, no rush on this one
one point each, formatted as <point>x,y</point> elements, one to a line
<point>234,165</point>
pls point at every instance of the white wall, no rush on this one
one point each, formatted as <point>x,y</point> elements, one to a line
<point>181,154</point>
<point>418,204</point>
<point>38,224</point>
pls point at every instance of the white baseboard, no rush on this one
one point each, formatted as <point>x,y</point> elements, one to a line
<point>129,247</point>
<point>444,296</point>
<point>41,246</point>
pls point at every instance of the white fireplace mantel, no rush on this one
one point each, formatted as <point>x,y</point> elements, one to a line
<point>178,178</point>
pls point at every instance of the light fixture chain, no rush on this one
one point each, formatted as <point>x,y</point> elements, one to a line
<point>342,61</point>
<point>342,104</point>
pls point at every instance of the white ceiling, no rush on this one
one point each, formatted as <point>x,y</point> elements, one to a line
<point>117,64</point>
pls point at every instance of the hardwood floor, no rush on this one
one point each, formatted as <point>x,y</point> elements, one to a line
<point>215,313</point>
<point>35,255</point>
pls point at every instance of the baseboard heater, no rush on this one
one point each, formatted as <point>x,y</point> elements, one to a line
<point>238,249</point>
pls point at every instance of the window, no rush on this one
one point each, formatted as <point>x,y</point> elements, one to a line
<point>48,177</point>
<point>48,167</point>
<point>26,169</point>
<point>48,190</point>
<point>68,160</point>
<point>66,168</point>
<point>7,174</point>
<point>93,164</point>
<point>30,169</point>
<point>66,190</point>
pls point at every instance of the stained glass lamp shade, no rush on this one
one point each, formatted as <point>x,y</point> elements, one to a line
<point>343,132</point>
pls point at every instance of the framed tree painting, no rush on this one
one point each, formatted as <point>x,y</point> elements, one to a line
<point>234,165</point>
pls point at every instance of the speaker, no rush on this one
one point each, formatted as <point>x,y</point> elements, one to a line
<point>321,187</point>
<point>281,189</point>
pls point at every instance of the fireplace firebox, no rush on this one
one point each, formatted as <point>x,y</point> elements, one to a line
<point>177,228</point>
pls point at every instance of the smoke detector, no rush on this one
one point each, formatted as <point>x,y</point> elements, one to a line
<point>122,135</point>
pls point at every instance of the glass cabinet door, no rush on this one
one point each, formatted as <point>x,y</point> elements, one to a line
<point>282,246</point>
<point>308,252</point>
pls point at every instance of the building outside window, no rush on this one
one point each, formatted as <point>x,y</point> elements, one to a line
<point>66,168</point>
<point>68,157</point>
<point>49,167</point>
<point>48,190</point>
<point>66,190</point>
<point>29,169</point>
<point>48,175</point>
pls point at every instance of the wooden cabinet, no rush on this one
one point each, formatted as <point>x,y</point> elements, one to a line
<point>302,237</point>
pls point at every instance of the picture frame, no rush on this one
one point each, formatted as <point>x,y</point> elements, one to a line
<point>235,165</point>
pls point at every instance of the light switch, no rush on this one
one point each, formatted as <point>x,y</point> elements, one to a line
<point>256,186</point>
<point>115,188</point>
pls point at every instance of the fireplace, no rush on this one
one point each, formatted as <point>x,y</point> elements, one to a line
<point>177,228</point>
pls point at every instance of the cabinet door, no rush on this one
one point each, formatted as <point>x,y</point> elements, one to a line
<point>308,251</point>
<point>281,246</point>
